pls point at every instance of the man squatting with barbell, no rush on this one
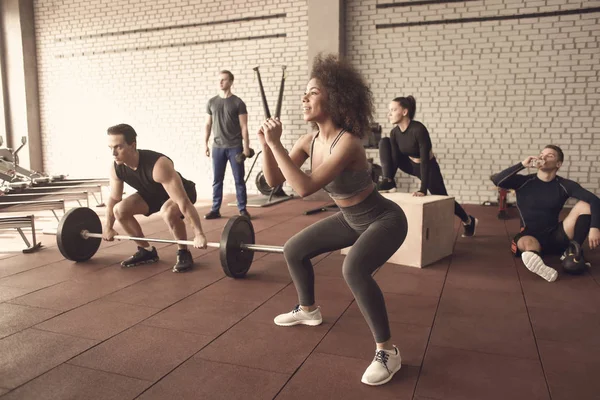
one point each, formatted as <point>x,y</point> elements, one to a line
<point>159,188</point>
<point>540,198</point>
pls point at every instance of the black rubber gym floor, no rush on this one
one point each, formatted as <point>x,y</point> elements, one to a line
<point>476,325</point>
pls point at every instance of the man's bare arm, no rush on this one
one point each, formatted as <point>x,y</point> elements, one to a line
<point>165,174</point>
<point>116,195</point>
<point>207,132</point>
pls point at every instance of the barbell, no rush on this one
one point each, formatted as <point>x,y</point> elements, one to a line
<point>78,240</point>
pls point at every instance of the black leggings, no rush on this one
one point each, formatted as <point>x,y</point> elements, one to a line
<point>392,160</point>
<point>375,228</point>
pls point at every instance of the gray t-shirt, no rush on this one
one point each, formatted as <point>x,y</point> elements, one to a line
<point>226,113</point>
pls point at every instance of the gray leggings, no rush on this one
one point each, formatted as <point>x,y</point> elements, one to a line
<point>375,228</point>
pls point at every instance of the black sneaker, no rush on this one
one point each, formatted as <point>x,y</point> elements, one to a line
<point>212,215</point>
<point>142,256</point>
<point>245,213</point>
<point>386,186</point>
<point>184,261</point>
<point>470,227</point>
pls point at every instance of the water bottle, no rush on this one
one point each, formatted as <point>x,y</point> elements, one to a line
<point>537,162</point>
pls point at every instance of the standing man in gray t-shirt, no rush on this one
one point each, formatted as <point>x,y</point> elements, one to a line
<point>227,114</point>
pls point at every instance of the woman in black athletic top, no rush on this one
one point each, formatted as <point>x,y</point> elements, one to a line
<point>409,148</point>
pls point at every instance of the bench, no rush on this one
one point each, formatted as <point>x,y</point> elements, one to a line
<point>90,188</point>
<point>75,182</point>
<point>41,179</point>
<point>19,223</point>
<point>40,205</point>
<point>66,196</point>
<point>9,186</point>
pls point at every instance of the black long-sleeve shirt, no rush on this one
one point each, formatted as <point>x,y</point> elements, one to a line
<point>540,202</point>
<point>415,142</point>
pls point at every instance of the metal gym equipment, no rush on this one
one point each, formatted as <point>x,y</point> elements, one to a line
<point>79,236</point>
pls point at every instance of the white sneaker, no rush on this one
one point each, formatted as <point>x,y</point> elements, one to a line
<point>299,317</point>
<point>535,264</point>
<point>383,367</point>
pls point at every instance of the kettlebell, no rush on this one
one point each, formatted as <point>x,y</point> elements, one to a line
<point>573,263</point>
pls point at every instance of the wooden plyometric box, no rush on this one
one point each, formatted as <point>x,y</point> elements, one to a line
<point>430,229</point>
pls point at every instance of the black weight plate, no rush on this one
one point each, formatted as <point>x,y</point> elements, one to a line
<point>235,261</point>
<point>68,235</point>
<point>262,185</point>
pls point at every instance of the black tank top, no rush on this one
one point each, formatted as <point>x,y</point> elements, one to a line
<point>141,178</point>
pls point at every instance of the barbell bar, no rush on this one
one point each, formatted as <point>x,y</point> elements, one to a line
<point>244,246</point>
<point>78,241</point>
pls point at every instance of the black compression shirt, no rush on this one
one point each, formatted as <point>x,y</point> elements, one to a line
<point>415,142</point>
<point>141,178</point>
<point>540,202</point>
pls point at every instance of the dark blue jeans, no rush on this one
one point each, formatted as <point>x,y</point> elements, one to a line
<point>220,156</point>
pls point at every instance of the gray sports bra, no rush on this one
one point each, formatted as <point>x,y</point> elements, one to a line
<point>349,182</point>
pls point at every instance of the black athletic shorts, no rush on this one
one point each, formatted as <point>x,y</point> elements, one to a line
<point>155,203</point>
<point>554,241</point>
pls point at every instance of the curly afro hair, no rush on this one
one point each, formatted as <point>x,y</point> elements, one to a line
<point>350,100</point>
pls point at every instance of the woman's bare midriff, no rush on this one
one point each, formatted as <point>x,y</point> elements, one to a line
<point>357,198</point>
<point>418,160</point>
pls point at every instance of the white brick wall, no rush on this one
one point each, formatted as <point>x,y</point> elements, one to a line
<point>490,93</point>
<point>90,83</point>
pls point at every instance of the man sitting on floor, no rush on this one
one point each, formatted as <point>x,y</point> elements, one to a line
<point>159,188</point>
<point>540,198</point>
